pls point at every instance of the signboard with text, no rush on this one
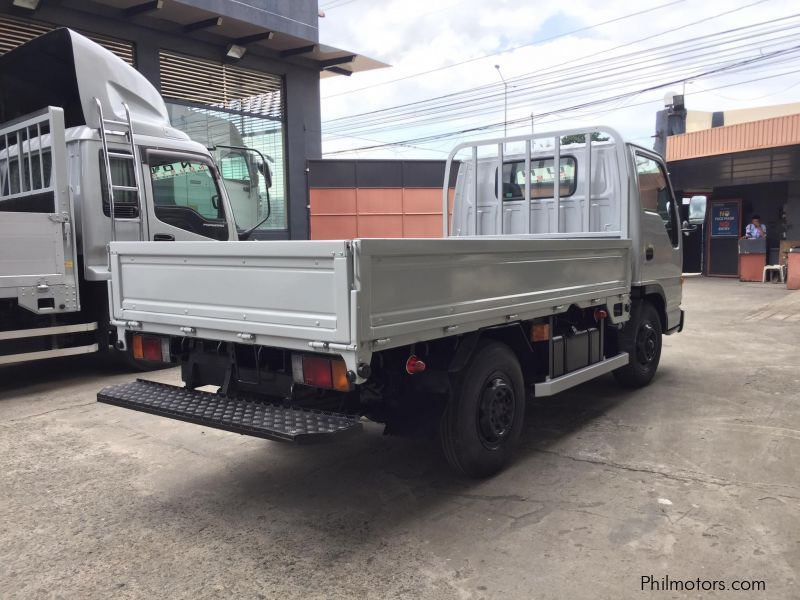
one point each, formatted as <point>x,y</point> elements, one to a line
<point>725,219</point>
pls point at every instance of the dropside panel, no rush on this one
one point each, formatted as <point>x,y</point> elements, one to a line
<point>430,288</point>
<point>276,293</point>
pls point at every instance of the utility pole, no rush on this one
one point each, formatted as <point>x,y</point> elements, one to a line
<point>505,101</point>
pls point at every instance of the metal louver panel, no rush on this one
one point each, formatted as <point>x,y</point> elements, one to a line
<point>225,86</point>
<point>15,32</point>
<point>123,49</point>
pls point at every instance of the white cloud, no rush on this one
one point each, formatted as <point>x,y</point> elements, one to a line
<point>420,35</point>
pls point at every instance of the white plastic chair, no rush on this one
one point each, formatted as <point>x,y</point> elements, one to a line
<point>769,269</point>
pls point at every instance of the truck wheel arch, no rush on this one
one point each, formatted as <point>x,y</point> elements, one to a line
<point>512,335</point>
<point>654,294</point>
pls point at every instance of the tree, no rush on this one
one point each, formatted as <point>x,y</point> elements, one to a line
<point>580,138</point>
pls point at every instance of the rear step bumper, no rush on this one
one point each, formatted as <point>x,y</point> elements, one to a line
<point>247,417</point>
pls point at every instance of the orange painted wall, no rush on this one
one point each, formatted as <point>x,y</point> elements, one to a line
<point>349,213</point>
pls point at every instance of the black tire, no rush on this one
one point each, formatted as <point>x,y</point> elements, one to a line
<point>641,339</point>
<point>483,418</point>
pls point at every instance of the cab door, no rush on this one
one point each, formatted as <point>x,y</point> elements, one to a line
<point>660,231</point>
<point>185,198</point>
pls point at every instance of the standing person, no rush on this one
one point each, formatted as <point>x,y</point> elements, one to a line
<point>755,229</point>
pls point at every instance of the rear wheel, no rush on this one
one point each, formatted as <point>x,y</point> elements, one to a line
<point>641,339</point>
<point>483,419</point>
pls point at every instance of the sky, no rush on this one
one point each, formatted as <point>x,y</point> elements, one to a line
<point>553,46</point>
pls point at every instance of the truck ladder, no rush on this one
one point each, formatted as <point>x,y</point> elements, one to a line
<point>127,132</point>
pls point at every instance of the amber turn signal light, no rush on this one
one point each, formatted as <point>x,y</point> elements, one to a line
<point>540,332</point>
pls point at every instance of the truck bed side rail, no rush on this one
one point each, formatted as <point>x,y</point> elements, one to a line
<point>38,257</point>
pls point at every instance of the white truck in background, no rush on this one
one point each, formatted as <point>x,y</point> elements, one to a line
<point>241,168</point>
<point>559,264</point>
<point>87,156</point>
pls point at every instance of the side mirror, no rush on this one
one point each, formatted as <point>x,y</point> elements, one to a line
<point>697,210</point>
<point>266,173</point>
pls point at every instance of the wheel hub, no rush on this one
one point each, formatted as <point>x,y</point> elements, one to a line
<point>646,344</point>
<point>496,412</point>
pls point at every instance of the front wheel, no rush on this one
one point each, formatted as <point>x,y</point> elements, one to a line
<point>641,339</point>
<point>483,418</point>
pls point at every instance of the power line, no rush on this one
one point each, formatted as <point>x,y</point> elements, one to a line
<point>564,86</point>
<point>335,4</point>
<point>506,50</point>
<point>524,121</point>
<point>564,90</point>
<point>441,136</point>
<point>554,70</point>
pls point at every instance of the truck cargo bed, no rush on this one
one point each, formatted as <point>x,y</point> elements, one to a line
<point>355,297</point>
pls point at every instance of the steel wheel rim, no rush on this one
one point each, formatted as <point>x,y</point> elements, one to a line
<point>646,344</point>
<point>496,408</point>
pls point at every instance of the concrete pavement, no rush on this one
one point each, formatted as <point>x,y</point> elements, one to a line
<point>693,477</point>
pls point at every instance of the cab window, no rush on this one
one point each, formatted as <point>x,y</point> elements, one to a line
<point>543,178</point>
<point>233,166</point>
<point>186,195</point>
<point>655,195</point>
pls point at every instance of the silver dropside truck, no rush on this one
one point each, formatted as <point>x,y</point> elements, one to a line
<point>560,263</point>
<point>87,156</point>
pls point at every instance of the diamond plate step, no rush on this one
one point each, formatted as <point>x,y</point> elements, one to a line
<point>247,417</point>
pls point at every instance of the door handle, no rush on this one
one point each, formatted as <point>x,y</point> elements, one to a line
<point>163,237</point>
<point>649,252</point>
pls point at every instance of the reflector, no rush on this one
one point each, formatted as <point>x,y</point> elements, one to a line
<point>317,371</point>
<point>152,348</point>
<point>414,365</point>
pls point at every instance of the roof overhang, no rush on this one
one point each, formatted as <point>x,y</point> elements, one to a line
<point>742,137</point>
<point>215,22</point>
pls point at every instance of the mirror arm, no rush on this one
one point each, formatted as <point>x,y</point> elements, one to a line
<point>248,232</point>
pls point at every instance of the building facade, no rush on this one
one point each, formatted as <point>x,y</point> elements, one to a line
<point>746,163</point>
<point>233,74</point>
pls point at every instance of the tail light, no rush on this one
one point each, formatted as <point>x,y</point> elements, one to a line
<point>149,347</point>
<point>321,371</point>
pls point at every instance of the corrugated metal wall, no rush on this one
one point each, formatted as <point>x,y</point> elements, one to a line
<point>756,135</point>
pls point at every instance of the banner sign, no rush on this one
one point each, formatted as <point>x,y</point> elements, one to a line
<point>724,219</point>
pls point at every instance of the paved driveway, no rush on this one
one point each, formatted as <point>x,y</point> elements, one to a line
<point>694,477</point>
